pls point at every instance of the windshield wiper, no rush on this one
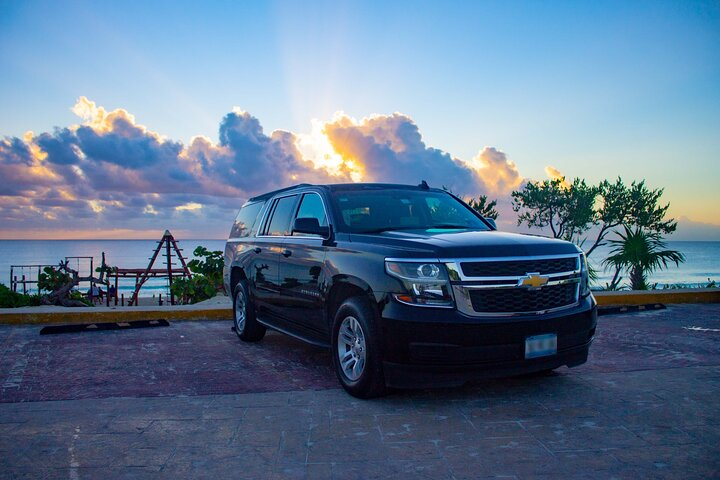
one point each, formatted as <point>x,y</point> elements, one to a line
<point>449,226</point>
<point>387,229</point>
<point>414,227</point>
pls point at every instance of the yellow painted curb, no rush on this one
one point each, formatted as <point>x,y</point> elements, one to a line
<point>82,315</point>
<point>66,316</point>
<point>637,297</point>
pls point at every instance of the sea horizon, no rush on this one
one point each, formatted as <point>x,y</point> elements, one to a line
<point>701,263</point>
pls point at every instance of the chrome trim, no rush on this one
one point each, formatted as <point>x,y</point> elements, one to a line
<point>271,203</point>
<point>509,259</point>
<point>394,295</point>
<point>289,236</point>
<point>514,285</point>
<point>265,212</point>
<point>518,277</point>
<point>413,260</point>
<point>454,266</point>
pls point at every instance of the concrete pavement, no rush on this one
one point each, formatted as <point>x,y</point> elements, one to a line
<point>190,401</point>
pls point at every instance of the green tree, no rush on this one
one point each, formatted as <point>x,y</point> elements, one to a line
<point>571,210</point>
<point>639,252</point>
<point>480,204</point>
<point>636,206</point>
<point>59,282</point>
<point>567,210</point>
<point>484,207</point>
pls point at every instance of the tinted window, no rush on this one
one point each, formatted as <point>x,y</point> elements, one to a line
<point>280,222</point>
<point>246,219</point>
<point>311,206</point>
<point>387,209</point>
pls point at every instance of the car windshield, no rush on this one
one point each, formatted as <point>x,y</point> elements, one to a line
<point>374,211</point>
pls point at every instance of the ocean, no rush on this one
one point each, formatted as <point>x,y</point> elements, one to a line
<point>702,259</point>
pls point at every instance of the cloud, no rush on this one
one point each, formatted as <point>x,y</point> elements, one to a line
<point>390,148</point>
<point>555,174</point>
<point>691,230</point>
<point>109,173</point>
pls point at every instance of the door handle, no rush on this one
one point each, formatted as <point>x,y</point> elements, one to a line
<point>286,253</point>
<point>257,249</point>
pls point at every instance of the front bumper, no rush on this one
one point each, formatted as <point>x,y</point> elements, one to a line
<point>425,347</point>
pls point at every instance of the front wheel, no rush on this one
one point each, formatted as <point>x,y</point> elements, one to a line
<point>246,325</point>
<point>356,350</point>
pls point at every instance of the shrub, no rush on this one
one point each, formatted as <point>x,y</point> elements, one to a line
<point>10,299</point>
<point>207,277</point>
<point>52,279</point>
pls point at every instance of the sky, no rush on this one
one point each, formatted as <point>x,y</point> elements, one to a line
<point>121,119</point>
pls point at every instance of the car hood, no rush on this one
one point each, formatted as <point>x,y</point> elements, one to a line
<point>466,243</point>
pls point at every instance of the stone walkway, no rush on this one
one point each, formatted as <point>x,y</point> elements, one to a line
<point>190,401</point>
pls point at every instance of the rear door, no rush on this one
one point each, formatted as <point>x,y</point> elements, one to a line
<point>302,272</point>
<point>266,255</point>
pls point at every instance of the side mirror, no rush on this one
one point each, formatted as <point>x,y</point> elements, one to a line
<point>491,222</point>
<point>311,226</point>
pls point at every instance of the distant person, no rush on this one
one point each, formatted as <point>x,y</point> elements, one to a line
<point>94,293</point>
<point>111,291</point>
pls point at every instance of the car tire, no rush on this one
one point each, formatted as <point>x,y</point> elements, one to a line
<point>244,319</point>
<point>356,353</point>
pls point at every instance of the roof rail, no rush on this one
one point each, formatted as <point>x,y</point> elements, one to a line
<point>267,195</point>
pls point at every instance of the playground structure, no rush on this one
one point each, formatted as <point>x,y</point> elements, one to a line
<point>168,246</point>
<point>30,274</point>
<point>24,278</point>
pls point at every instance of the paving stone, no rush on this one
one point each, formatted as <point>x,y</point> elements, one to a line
<point>311,471</point>
<point>645,406</point>
<point>397,428</point>
<point>422,469</point>
<point>582,434</point>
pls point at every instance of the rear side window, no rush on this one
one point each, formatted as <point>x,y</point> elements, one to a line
<point>246,219</point>
<point>311,206</point>
<point>280,221</point>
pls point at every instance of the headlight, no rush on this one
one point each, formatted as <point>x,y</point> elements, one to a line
<point>584,277</point>
<point>425,283</point>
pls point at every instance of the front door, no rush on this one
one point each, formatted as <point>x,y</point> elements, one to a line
<point>302,272</point>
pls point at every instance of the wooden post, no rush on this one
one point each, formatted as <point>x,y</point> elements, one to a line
<point>123,299</point>
<point>24,285</point>
<point>160,299</point>
<point>116,287</point>
<point>169,268</point>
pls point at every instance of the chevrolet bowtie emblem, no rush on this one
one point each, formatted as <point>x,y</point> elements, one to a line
<point>532,280</point>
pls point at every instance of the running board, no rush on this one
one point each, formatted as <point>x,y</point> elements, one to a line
<point>294,335</point>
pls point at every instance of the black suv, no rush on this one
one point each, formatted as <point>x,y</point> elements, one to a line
<point>407,285</point>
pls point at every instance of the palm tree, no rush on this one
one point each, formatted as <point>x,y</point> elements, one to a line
<point>640,253</point>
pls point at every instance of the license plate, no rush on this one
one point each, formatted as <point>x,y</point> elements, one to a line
<point>541,345</point>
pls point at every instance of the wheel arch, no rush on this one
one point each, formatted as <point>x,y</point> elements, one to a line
<point>236,274</point>
<point>347,287</point>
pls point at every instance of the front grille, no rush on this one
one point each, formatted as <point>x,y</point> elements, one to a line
<point>512,300</point>
<point>515,268</point>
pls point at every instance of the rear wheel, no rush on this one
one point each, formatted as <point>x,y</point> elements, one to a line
<point>246,324</point>
<point>356,350</point>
